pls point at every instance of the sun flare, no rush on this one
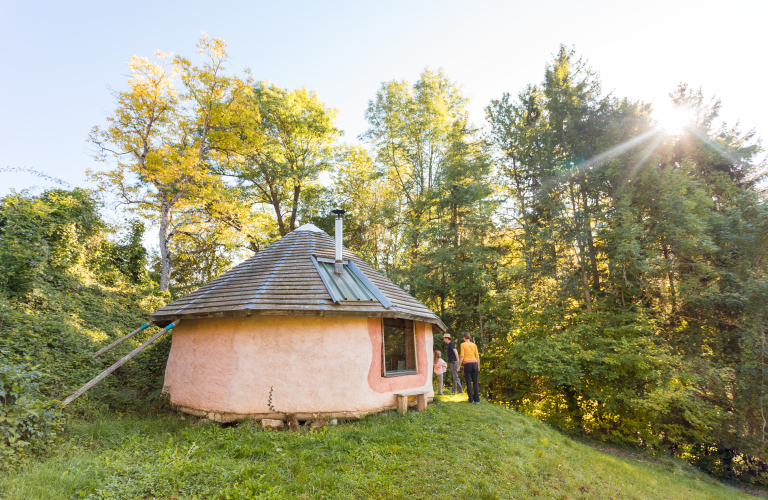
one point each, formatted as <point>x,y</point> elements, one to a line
<point>675,120</point>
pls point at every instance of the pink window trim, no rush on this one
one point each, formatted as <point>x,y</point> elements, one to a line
<point>389,384</point>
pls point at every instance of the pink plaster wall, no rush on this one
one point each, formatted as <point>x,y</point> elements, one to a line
<point>315,364</point>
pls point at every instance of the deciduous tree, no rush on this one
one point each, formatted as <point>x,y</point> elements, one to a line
<point>166,130</point>
<point>292,147</point>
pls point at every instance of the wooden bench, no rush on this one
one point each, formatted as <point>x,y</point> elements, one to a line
<point>402,400</point>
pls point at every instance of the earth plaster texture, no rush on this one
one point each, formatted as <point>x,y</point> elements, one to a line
<point>315,365</point>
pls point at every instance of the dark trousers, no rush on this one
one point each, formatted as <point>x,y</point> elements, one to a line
<point>470,374</point>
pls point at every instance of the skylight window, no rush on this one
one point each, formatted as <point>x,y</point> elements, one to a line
<point>351,285</point>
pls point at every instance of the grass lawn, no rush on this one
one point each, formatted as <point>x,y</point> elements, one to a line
<point>451,450</point>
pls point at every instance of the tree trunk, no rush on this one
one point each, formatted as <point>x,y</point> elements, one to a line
<point>571,399</point>
<point>296,195</point>
<point>414,254</point>
<point>480,314</point>
<point>665,251</point>
<point>414,257</point>
<point>580,252</point>
<point>585,282</point>
<point>590,243</point>
<point>278,215</point>
<point>521,197</point>
<point>165,251</point>
<point>762,381</point>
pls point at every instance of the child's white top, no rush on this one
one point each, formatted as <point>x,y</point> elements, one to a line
<point>440,366</point>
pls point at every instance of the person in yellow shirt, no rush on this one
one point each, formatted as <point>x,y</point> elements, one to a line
<point>469,361</point>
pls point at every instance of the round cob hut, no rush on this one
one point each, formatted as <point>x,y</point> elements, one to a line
<point>303,327</point>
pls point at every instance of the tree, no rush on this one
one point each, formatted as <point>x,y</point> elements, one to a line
<point>372,218</point>
<point>635,270</point>
<point>203,252</point>
<point>163,141</point>
<point>521,147</point>
<point>411,129</point>
<point>294,144</point>
<point>454,271</point>
<point>371,204</point>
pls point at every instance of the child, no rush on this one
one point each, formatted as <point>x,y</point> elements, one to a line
<point>440,367</point>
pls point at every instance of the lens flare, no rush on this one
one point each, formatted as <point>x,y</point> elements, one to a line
<point>676,120</point>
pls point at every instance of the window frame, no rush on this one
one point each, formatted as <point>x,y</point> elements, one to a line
<point>399,373</point>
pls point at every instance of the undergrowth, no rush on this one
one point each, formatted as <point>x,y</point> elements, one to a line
<point>69,286</point>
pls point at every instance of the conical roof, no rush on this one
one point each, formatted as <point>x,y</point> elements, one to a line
<point>289,277</point>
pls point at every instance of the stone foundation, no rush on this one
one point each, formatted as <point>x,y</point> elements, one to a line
<point>225,418</point>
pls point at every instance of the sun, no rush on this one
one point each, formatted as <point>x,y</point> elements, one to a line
<point>675,121</point>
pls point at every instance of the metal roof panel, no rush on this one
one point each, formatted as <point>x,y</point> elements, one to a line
<point>347,286</point>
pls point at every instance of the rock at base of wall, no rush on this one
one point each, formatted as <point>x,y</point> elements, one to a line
<point>317,425</point>
<point>268,423</point>
<point>292,423</point>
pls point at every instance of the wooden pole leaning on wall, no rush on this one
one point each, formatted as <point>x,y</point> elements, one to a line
<point>120,363</point>
<point>121,340</point>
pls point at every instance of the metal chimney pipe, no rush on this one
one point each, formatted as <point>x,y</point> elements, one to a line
<point>339,267</point>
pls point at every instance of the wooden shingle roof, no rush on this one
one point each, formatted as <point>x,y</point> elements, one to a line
<point>282,279</point>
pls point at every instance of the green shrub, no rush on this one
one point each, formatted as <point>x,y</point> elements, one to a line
<point>70,285</point>
<point>27,421</point>
<point>728,463</point>
<point>44,235</point>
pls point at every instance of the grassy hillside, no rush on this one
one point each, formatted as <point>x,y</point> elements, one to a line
<point>452,450</point>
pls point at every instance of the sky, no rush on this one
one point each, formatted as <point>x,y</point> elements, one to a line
<point>60,59</point>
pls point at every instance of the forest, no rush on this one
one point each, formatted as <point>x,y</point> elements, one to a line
<point>611,266</point>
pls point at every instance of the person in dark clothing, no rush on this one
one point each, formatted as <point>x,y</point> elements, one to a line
<point>453,362</point>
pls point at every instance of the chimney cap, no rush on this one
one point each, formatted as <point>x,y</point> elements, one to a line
<point>339,212</point>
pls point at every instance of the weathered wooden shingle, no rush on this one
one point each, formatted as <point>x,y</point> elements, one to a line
<point>282,279</point>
